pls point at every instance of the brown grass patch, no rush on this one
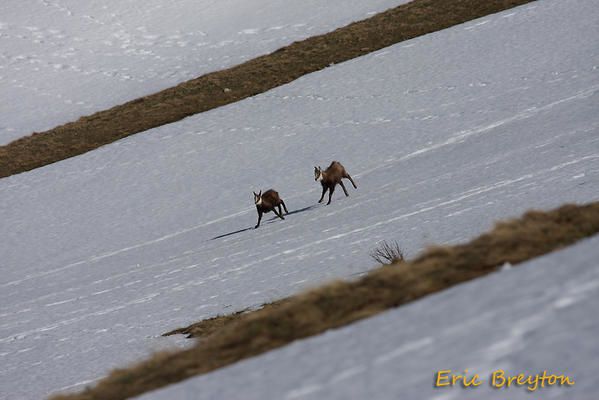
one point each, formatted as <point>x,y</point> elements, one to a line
<point>341,303</point>
<point>208,326</point>
<point>250,78</point>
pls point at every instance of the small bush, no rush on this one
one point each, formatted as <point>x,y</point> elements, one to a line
<point>387,253</point>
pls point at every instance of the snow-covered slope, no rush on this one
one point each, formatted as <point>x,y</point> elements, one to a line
<point>539,316</point>
<point>61,59</point>
<point>443,134</point>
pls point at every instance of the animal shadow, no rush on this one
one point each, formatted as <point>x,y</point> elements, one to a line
<point>231,233</point>
<point>298,211</point>
<point>301,210</point>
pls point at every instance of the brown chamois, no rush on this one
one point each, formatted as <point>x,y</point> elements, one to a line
<point>267,202</point>
<point>331,177</point>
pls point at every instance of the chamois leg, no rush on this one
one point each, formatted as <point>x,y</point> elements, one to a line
<point>344,189</point>
<point>259,219</point>
<point>351,180</point>
<point>284,206</point>
<point>324,190</point>
<point>278,213</point>
<point>331,191</point>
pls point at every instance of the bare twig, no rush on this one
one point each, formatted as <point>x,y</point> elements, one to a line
<point>387,253</point>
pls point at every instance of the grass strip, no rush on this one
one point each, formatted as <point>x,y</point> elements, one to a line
<point>331,306</point>
<point>250,78</point>
<point>209,326</point>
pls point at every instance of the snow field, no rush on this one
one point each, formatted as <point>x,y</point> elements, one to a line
<point>62,59</point>
<point>444,135</point>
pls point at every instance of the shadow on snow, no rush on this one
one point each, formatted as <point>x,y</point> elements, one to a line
<point>301,210</point>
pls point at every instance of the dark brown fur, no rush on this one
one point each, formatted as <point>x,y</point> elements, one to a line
<point>331,177</point>
<point>270,202</point>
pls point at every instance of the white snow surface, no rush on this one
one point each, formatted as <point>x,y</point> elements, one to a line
<point>62,59</point>
<point>538,316</point>
<point>444,135</point>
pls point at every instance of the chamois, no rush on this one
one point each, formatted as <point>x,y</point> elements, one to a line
<point>269,201</point>
<point>330,178</point>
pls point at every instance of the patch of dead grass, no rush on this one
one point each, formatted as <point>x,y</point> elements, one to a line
<point>247,334</point>
<point>208,326</point>
<point>250,78</point>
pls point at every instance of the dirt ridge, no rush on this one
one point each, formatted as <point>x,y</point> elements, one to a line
<point>255,76</point>
<point>248,334</point>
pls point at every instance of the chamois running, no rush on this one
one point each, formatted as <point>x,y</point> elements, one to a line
<point>330,178</point>
<point>269,201</point>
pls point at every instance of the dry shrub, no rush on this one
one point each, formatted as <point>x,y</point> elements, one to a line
<point>387,253</point>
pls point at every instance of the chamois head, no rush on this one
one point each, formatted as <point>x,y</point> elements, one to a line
<point>258,198</point>
<point>317,173</point>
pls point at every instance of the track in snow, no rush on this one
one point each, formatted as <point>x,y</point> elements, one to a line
<point>62,59</point>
